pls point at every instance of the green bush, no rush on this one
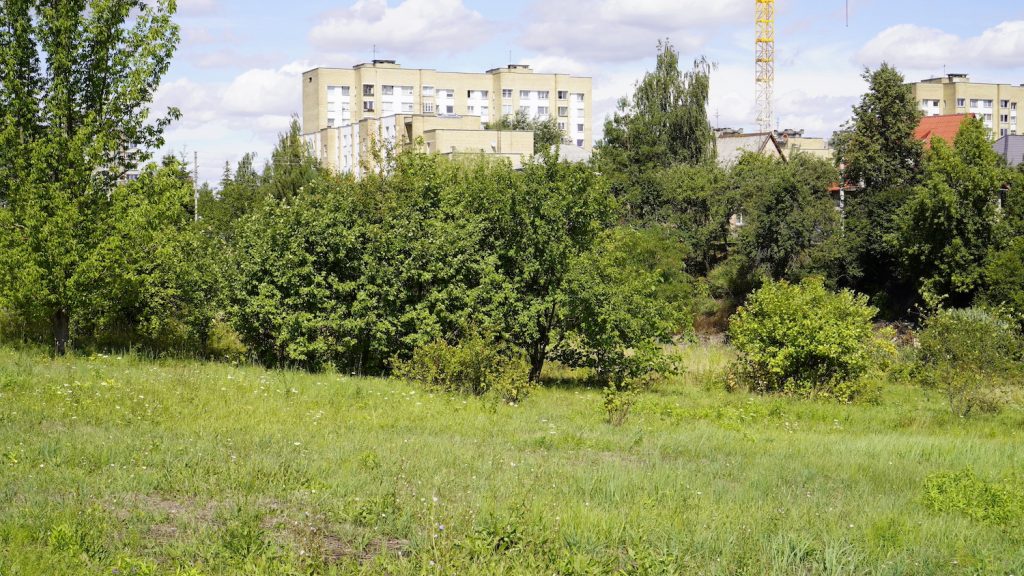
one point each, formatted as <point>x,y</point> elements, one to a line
<point>965,352</point>
<point>224,343</point>
<point>474,366</point>
<point>1000,503</point>
<point>803,338</point>
<point>1004,275</point>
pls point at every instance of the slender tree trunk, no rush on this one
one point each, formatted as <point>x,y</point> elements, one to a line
<point>536,362</point>
<point>61,331</point>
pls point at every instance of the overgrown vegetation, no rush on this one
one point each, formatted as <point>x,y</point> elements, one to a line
<point>172,468</point>
<point>968,354</point>
<point>804,339</point>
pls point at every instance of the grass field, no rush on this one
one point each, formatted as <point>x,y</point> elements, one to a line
<point>123,466</point>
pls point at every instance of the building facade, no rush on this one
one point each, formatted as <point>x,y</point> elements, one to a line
<point>348,111</point>
<point>996,105</point>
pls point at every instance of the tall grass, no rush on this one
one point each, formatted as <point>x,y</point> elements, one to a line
<point>171,467</point>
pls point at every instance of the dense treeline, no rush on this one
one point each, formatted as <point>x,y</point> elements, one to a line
<point>594,264</point>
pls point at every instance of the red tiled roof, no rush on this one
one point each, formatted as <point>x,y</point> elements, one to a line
<point>945,127</point>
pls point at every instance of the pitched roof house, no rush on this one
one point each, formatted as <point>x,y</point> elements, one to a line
<point>1011,148</point>
<point>732,146</point>
<point>945,127</point>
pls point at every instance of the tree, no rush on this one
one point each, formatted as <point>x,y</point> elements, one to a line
<point>76,80</point>
<point>880,154</point>
<point>664,123</point>
<point>945,230</point>
<point>546,133</point>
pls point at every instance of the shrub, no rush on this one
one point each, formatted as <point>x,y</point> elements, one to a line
<point>474,366</point>
<point>963,352</point>
<point>1000,503</point>
<point>802,338</point>
<point>224,343</point>
<point>1004,274</point>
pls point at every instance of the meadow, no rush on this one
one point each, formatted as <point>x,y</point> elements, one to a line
<point>122,465</point>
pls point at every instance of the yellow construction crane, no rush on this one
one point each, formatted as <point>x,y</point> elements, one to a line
<point>765,63</point>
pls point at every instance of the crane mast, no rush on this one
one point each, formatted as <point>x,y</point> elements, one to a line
<point>765,63</point>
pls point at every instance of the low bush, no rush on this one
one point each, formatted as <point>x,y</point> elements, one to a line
<point>803,338</point>
<point>999,503</point>
<point>1004,275</point>
<point>965,353</point>
<point>224,343</point>
<point>474,366</point>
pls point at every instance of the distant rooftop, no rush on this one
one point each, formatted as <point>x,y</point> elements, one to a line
<point>945,127</point>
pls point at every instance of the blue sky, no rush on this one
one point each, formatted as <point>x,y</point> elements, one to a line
<point>236,76</point>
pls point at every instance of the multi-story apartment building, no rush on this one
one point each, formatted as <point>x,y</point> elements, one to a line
<point>347,111</point>
<point>996,105</point>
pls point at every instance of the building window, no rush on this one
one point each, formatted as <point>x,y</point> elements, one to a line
<point>406,90</point>
<point>563,95</point>
<point>579,127</point>
<point>961,102</point>
<point>387,90</point>
<point>448,93</point>
<point>506,93</point>
<point>543,94</point>
<point>1004,104</point>
<point>1004,132</point>
<point>563,111</point>
<point>580,143</point>
<point>471,109</point>
<point>579,97</point>
<point>484,110</point>
<point>1013,105</point>
<point>428,107</point>
<point>1004,118</point>
<point>524,94</point>
<point>368,106</point>
<point>450,109</point>
<point>506,109</point>
<point>387,107</point>
<point>542,111</point>
<point>561,126</point>
<point>428,90</point>
<point>407,107</point>
<point>524,109</point>
<point>367,89</point>
<point>986,103</point>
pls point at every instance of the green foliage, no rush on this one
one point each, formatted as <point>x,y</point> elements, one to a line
<point>664,123</point>
<point>999,503</point>
<point>76,81</point>
<point>802,338</point>
<point>963,352</point>
<point>880,153</point>
<point>146,282</point>
<point>546,133</point>
<point>791,228</point>
<point>1004,279</point>
<point>474,366</point>
<point>946,228</point>
<point>615,318</point>
<point>224,343</point>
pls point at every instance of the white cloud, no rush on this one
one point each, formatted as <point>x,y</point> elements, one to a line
<point>624,30</point>
<point>196,7</point>
<point>918,47</point>
<point>411,27</point>
<point>222,121</point>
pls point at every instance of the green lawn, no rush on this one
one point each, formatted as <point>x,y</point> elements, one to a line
<point>121,466</point>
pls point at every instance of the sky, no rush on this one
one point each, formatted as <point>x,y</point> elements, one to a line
<point>237,74</point>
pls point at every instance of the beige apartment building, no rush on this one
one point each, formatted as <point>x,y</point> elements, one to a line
<point>346,112</point>
<point>996,105</point>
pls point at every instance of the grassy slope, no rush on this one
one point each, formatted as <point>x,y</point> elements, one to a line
<point>186,468</point>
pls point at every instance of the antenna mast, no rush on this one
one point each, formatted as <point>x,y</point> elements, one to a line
<point>765,62</point>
